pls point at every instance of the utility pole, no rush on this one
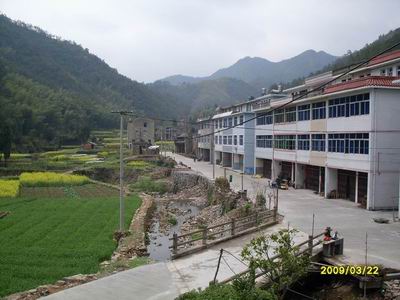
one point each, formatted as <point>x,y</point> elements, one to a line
<point>122,113</point>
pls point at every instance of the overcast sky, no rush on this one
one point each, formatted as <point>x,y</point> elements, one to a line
<point>151,39</point>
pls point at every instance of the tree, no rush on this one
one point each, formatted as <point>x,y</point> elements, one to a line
<point>5,142</point>
<point>283,271</point>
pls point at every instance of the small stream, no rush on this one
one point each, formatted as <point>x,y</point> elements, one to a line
<point>158,248</point>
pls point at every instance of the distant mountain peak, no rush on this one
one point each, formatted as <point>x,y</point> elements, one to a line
<point>260,72</point>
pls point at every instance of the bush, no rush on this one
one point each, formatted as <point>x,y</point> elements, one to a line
<point>38,179</point>
<point>228,292</point>
<point>103,154</point>
<point>172,220</point>
<point>260,200</point>
<point>9,188</point>
<point>222,183</point>
<point>146,184</point>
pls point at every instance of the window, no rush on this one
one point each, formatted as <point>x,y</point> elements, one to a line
<point>287,142</point>
<point>264,141</point>
<point>290,114</point>
<point>225,139</point>
<point>318,110</point>
<point>279,115</point>
<point>241,120</point>
<point>383,72</point>
<point>359,104</point>
<point>220,140</point>
<point>303,142</point>
<point>349,106</point>
<point>356,143</point>
<point>337,108</point>
<point>264,118</point>
<point>229,122</point>
<point>303,112</point>
<point>216,124</point>
<point>220,123</point>
<point>390,71</point>
<point>398,70</point>
<point>235,139</point>
<point>337,142</point>
<point>318,142</point>
<point>225,123</point>
<point>216,140</point>
<point>235,121</point>
<point>241,140</point>
<point>145,124</point>
<point>229,140</point>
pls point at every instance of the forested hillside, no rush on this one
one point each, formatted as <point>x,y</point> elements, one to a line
<point>54,91</point>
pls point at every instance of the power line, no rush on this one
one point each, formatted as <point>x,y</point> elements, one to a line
<point>309,92</point>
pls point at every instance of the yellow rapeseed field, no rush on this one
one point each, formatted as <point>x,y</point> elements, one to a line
<point>51,179</point>
<point>9,188</point>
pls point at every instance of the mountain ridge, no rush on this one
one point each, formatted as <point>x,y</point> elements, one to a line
<point>261,72</point>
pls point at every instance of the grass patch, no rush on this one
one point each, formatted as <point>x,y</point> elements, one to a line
<point>51,179</point>
<point>44,240</point>
<point>83,191</point>
<point>146,184</point>
<point>139,164</point>
<point>9,188</point>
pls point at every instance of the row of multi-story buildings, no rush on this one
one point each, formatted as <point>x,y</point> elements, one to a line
<point>341,141</point>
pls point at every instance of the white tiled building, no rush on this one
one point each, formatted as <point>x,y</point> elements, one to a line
<point>342,141</point>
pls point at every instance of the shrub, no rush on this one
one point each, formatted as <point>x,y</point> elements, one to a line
<point>172,220</point>
<point>51,179</point>
<point>103,154</point>
<point>9,188</point>
<point>222,183</point>
<point>260,200</point>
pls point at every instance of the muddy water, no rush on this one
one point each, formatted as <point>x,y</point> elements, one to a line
<point>158,248</point>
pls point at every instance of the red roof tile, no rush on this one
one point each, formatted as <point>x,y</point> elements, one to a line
<point>385,57</point>
<point>385,81</point>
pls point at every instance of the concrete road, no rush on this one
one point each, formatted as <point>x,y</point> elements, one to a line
<point>344,216</point>
<point>152,282</point>
<point>167,280</point>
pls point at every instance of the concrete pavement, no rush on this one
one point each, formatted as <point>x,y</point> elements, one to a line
<point>344,216</point>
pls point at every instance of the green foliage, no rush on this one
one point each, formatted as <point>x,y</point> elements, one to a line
<point>139,164</point>
<point>281,272</point>
<point>53,92</point>
<point>239,290</point>
<point>45,239</point>
<point>146,184</point>
<point>260,200</point>
<point>197,236</point>
<point>172,220</point>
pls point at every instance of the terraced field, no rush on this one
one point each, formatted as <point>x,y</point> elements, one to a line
<point>49,235</point>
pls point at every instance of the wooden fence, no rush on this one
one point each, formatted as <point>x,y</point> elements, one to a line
<point>188,243</point>
<point>308,249</point>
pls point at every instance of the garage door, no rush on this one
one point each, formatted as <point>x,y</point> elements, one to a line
<point>312,178</point>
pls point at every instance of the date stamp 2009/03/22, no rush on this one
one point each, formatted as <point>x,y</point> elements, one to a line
<point>350,270</point>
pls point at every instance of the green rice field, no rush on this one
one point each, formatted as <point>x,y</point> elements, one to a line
<point>52,233</point>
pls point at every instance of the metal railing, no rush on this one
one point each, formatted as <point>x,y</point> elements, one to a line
<point>189,242</point>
